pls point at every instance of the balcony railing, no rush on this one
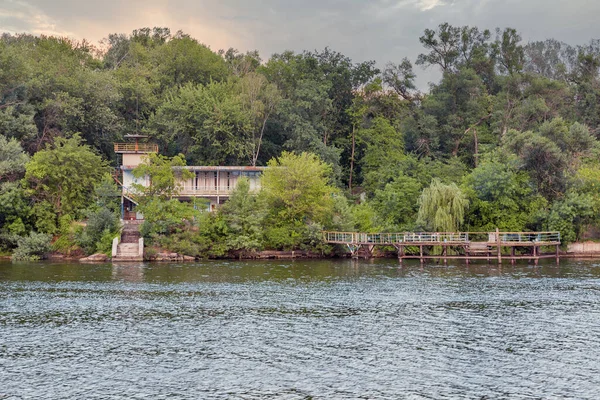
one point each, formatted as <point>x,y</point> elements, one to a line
<point>210,190</point>
<point>136,148</point>
<point>223,190</point>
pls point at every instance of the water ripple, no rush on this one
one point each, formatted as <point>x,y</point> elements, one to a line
<point>299,330</point>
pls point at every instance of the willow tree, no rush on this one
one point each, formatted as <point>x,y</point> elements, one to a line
<point>442,207</point>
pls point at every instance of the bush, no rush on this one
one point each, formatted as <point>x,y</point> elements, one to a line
<point>32,247</point>
<point>102,226</point>
<point>165,216</point>
<point>66,243</point>
<point>185,243</point>
<point>104,245</point>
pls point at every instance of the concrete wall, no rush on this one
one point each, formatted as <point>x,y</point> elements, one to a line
<point>133,160</point>
<point>584,248</point>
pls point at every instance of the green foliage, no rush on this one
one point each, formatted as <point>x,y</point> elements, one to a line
<point>184,60</point>
<point>515,124</point>
<point>364,218</point>
<point>501,197</point>
<point>12,159</point>
<point>383,152</point>
<point>102,227</point>
<point>243,216</point>
<point>210,123</point>
<point>442,207</point>
<point>165,216</point>
<point>296,188</point>
<point>187,243</point>
<point>296,193</point>
<point>166,175</point>
<point>397,203</point>
<point>45,217</point>
<point>104,245</point>
<point>59,179</point>
<point>587,179</point>
<point>108,194</point>
<point>14,206</point>
<point>342,220</point>
<point>67,241</point>
<point>571,215</point>
<point>542,159</point>
<point>33,247</point>
<point>212,235</point>
<point>14,209</point>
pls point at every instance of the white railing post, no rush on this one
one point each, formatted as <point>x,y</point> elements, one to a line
<point>141,247</point>
<point>115,245</point>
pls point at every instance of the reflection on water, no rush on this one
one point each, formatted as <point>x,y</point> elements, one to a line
<point>128,272</point>
<point>299,329</point>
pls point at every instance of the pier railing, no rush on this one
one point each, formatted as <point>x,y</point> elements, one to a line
<point>439,237</point>
<point>395,238</point>
<point>533,237</point>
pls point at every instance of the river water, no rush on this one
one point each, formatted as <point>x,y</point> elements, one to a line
<point>299,330</point>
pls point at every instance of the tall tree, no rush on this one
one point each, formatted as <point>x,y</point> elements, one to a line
<point>60,180</point>
<point>442,207</point>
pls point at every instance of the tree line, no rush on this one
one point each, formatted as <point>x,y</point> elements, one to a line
<point>507,138</point>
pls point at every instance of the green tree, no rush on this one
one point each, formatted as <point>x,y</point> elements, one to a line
<point>382,153</point>
<point>508,51</point>
<point>501,197</point>
<point>210,124</point>
<point>163,214</point>
<point>397,203</point>
<point>572,215</point>
<point>442,207</point>
<point>183,60</point>
<point>14,205</point>
<point>542,158</point>
<point>296,191</point>
<point>260,100</point>
<point>61,179</point>
<point>243,216</point>
<point>167,176</point>
<point>12,159</point>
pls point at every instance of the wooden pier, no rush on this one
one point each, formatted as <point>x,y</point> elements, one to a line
<point>453,245</point>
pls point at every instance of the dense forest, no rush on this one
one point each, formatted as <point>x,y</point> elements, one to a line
<point>508,138</point>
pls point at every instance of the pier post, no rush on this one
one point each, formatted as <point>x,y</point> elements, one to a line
<point>421,253</point>
<point>498,245</point>
<point>557,255</point>
<point>400,249</point>
<point>512,255</point>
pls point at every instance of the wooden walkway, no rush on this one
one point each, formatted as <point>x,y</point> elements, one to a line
<point>453,245</point>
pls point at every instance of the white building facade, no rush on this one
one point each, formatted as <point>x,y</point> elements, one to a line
<point>209,187</point>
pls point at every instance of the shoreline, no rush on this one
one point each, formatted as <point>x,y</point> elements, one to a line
<point>278,255</point>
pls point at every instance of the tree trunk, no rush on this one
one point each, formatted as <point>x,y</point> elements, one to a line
<point>352,158</point>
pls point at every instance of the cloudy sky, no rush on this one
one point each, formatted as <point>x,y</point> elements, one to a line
<point>381,30</point>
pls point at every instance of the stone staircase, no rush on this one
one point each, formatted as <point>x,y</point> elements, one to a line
<point>128,248</point>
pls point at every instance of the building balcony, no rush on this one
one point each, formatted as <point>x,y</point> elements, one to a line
<point>194,191</point>
<point>136,148</point>
<point>203,191</point>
